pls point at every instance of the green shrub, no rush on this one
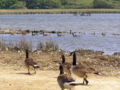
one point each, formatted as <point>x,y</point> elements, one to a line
<point>18,5</point>
<point>102,4</point>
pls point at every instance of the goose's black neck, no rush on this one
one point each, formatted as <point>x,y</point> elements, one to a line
<point>61,69</point>
<point>27,53</point>
<point>63,59</point>
<point>74,58</point>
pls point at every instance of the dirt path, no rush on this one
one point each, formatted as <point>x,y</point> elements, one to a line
<point>46,80</point>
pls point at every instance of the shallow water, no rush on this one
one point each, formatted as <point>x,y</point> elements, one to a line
<point>86,25</point>
<point>109,23</point>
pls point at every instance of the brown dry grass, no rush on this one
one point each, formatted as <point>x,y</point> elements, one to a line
<point>108,65</point>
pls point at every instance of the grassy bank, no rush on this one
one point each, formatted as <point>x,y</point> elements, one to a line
<point>56,11</point>
<point>48,56</point>
<point>105,64</point>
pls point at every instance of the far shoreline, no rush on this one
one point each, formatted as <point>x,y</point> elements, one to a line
<point>57,11</point>
<point>27,31</point>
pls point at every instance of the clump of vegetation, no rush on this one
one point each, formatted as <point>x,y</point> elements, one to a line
<point>23,44</point>
<point>116,54</point>
<point>83,52</point>
<point>47,46</point>
<point>15,46</point>
<point>12,4</point>
<point>2,44</point>
<point>102,3</point>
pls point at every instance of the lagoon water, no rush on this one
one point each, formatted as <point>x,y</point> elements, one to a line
<point>89,29</point>
<point>63,22</point>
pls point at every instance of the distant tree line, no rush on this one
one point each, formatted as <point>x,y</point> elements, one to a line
<point>49,4</point>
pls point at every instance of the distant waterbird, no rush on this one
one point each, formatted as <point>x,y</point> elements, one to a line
<point>75,35</point>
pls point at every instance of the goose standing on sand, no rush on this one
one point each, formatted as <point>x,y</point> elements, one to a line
<point>78,70</point>
<point>66,65</point>
<point>65,81</point>
<point>82,70</point>
<point>29,62</point>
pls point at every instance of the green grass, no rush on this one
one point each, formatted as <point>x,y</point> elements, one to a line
<point>79,4</point>
<point>86,3</point>
<point>56,11</point>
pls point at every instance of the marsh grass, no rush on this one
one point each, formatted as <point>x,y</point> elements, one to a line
<point>47,46</point>
<point>23,44</point>
<point>2,44</point>
<point>56,11</point>
<point>84,52</point>
<point>20,45</point>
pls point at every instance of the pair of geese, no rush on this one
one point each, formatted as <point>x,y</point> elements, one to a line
<point>66,81</point>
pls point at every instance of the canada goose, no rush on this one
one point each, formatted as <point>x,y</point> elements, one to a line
<point>75,35</point>
<point>29,62</point>
<point>45,34</point>
<point>65,81</point>
<point>78,70</point>
<point>59,34</point>
<point>81,71</point>
<point>103,34</point>
<point>66,65</point>
<point>70,31</point>
<point>85,14</point>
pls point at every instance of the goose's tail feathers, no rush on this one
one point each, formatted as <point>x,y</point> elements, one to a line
<point>72,84</point>
<point>36,66</point>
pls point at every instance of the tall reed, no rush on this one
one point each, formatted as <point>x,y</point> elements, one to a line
<point>47,46</point>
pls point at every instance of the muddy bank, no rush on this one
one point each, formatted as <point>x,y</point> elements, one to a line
<point>33,32</point>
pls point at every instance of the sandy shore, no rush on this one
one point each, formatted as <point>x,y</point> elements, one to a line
<point>13,72</point>
<point>47,80</point>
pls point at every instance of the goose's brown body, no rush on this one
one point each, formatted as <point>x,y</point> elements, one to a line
<point>65,81</point>
<point>30,62</point>
<point>64,78</point>
<point>79,70</point>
